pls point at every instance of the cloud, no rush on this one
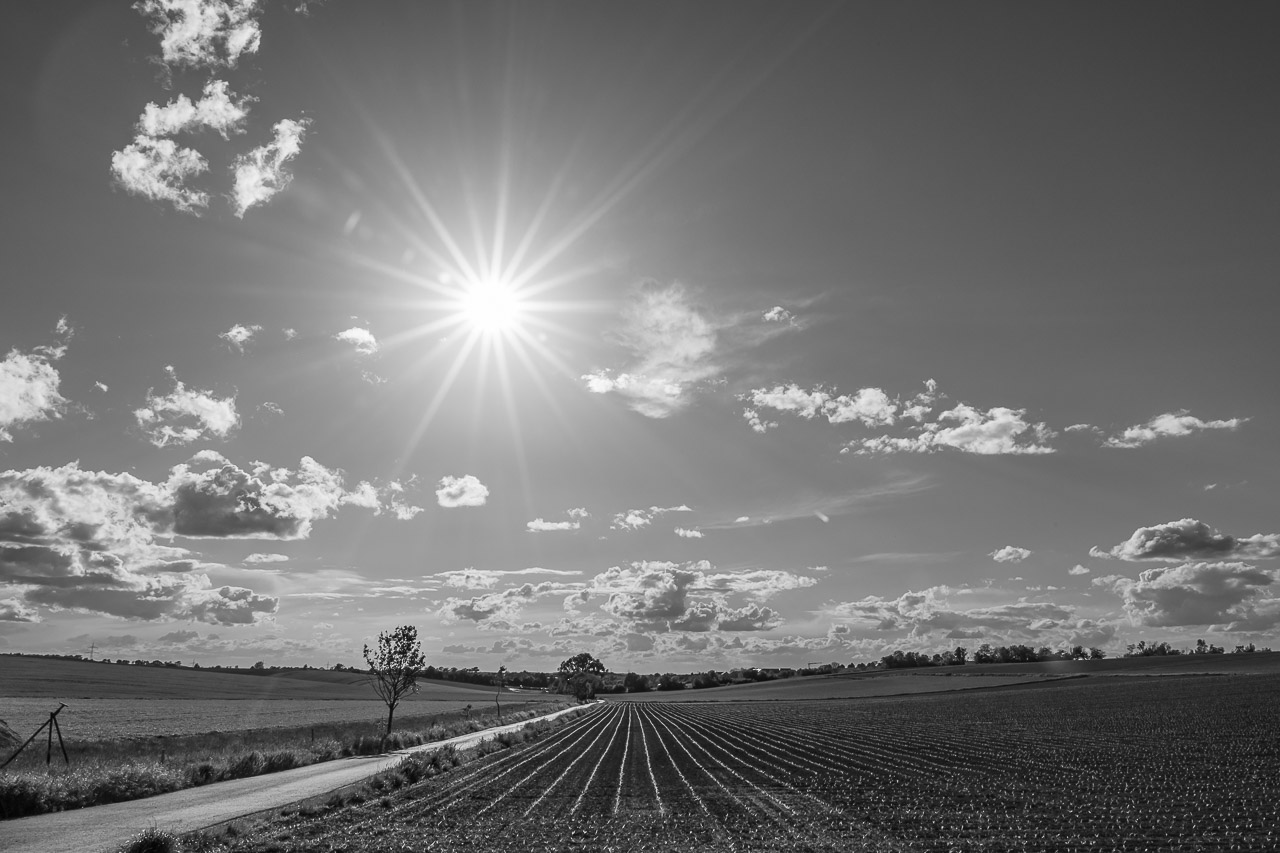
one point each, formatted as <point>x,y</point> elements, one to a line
<point>998,431</point>
<point>1193,594</point>
<point>260,558</point>
<point>935,612</point>
<point>158,169</point>
<point>1177,423</point>
<point>239,335</point>
<point>29,388</point>
<point>461,491</point>
<point>472,578</point>
<point>218,110</point>
<point>540,526</point>
<point>1009,554</point>
<point>261,173</point>
<point>869,406</point>
<point>660,597</point>
<point>634,519</point>
<point>1189,539</point>
<point>672,346</point>
<point>90,541</point>
<point>203,33</point>
<point>777,314</point>
<point>1078,569</point>
<point>185,415</point>
<point>362,339</point>
<point>13,610</point>
<point>225,501</point>
<point>685,533</point>
<point>497,607</point>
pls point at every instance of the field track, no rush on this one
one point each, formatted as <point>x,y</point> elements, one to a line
<point>102,829</point>
<point>1153,764</point>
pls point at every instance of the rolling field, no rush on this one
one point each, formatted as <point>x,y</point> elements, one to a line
<point>110,701</point>
<point>110,719</point>
<point>65,680</point>
<point>1150,764</point>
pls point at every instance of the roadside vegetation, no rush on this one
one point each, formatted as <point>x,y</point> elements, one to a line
<point>412,770</point>
<point>119,770</point>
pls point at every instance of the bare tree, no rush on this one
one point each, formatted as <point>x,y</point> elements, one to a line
<point>394,666</point>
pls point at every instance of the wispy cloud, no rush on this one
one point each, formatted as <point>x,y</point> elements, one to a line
<point>672,345</point>
<point>634,519</point>
<point>239,335</point>
<point>1171,424</point>
<point>262,172</point>
<point>185,415</point>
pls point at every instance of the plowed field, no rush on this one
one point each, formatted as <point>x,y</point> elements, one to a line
<point>1170,764</point>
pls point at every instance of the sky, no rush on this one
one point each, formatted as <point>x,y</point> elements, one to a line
<point>688,335</point>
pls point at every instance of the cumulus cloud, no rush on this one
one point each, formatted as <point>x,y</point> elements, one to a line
<point>685,533</point>
<point>262,172</point>
<point>362,339</point>
<point>998,431</point>
<point>218,110</point>
<point>497,607</point>
<point>203,33</point>
<point>777,314</point>
<point>239,335</point>
<point>672,346</point>
<point>869,406</point>
<point>1190,539</point>
<point>91,541</point>
<point>461,491</point>
<point>1194,594</point>
<point>29,388</point>
<point>185,415</point>
<point>659,597</point>
<point>936,612</point>
<point>159,169</point>
<point>1177,423</point>
<point>1078,569</point>
<point>1009,554</point>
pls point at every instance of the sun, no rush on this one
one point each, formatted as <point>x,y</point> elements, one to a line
<point>492,307</point>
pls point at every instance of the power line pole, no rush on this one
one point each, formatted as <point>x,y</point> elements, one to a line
<point>92,646</point>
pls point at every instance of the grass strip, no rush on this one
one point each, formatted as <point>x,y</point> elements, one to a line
<point>119,771</point>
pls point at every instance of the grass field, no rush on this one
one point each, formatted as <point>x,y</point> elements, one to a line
<point>64,680</point>
<point>1177,764</point>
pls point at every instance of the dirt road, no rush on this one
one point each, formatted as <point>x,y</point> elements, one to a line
<point>104,828</point>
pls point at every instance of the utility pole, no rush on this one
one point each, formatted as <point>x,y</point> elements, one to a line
<point>92,646</point>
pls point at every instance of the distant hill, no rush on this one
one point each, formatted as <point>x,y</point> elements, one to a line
<point>53,678</point>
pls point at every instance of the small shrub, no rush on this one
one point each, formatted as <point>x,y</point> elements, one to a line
<point>152,840</point>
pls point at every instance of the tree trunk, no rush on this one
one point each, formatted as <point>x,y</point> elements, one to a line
<point>391,712</point>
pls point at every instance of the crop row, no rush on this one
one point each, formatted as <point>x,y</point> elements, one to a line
<point>1186,764</point>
